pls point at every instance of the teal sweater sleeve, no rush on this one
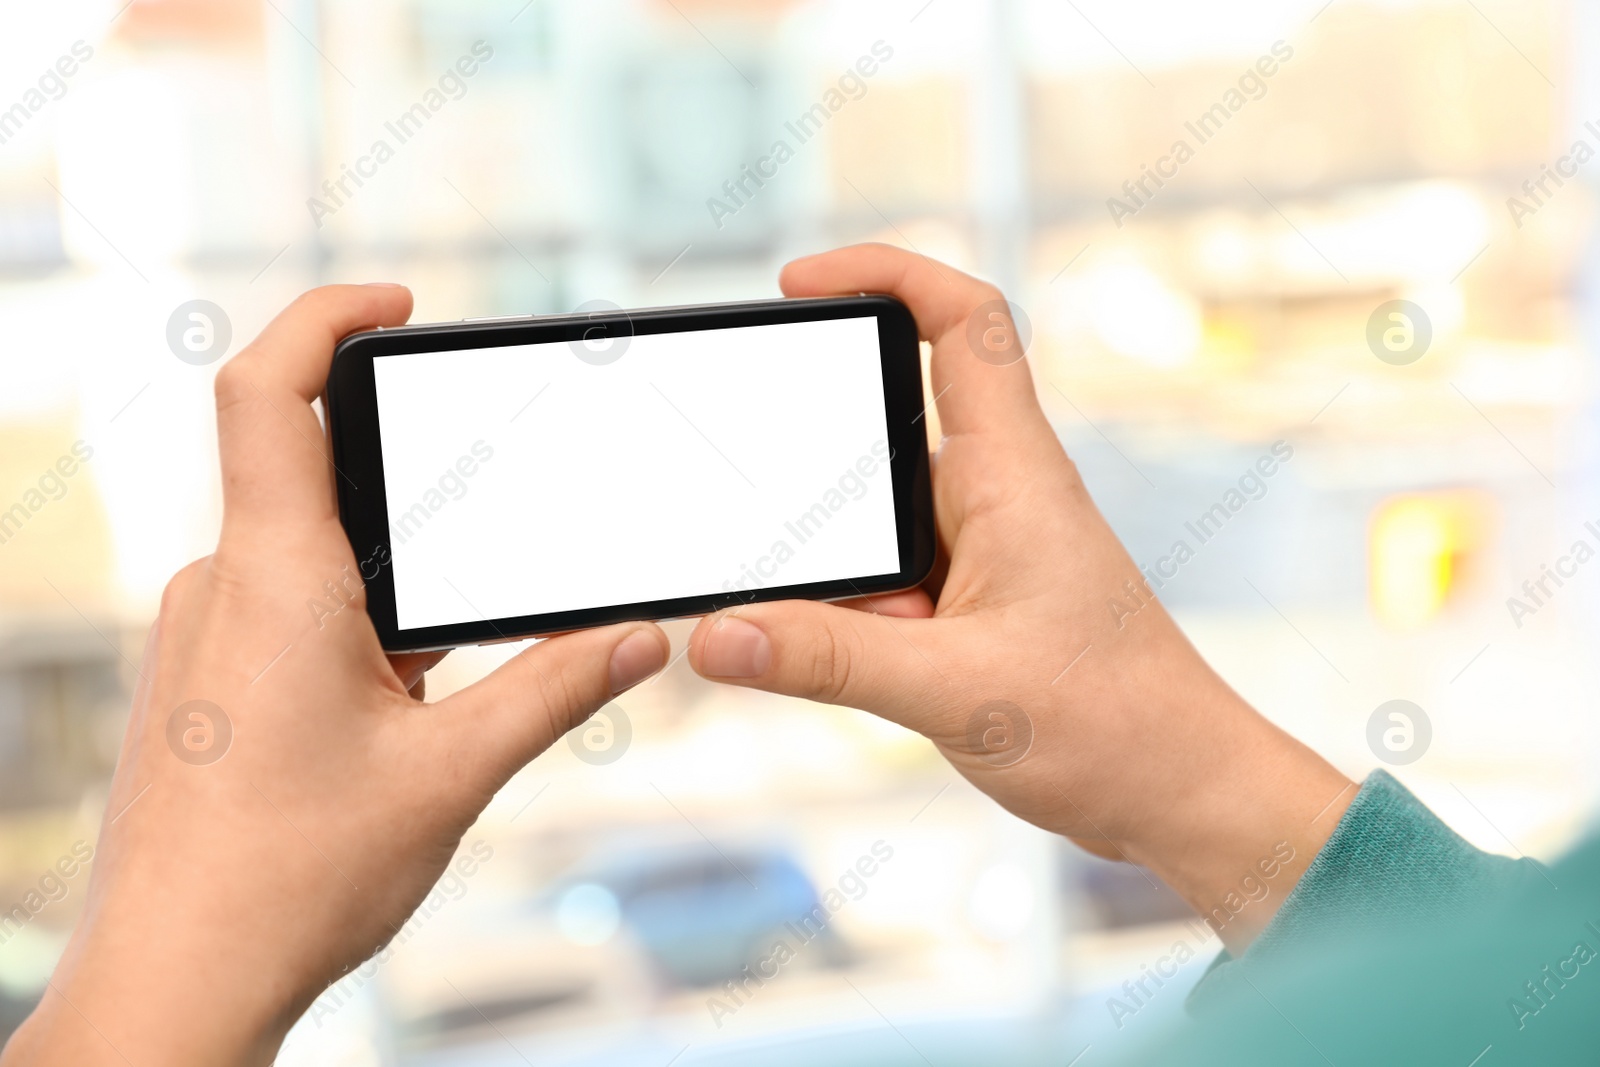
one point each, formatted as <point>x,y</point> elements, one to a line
<point>1389,863</point>
<point>1403,944</point>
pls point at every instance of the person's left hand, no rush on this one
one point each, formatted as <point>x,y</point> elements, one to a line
<point>226,895</point>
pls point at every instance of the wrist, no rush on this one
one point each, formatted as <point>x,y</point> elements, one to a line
<point>1241,824</point>
<point>143,999</point>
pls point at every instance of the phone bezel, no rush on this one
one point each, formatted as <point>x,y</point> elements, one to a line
<point>350,403</point>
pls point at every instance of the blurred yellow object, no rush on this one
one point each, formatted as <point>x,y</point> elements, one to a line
<point>1419,545</point>
<point>53,526</point>
<point>1228,344</point>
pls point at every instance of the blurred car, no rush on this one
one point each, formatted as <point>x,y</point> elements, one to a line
<point>703,914</point>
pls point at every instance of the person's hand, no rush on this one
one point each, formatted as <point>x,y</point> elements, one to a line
<point>227,895</point>
<point>1095,722</point>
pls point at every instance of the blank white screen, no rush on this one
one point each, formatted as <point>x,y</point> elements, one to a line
<point>524,480</point>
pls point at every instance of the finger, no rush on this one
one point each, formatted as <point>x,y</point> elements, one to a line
<point>990,394</point>
<point>933,584</point>
<point>517,712</point>
<point>275,461</point>
<point>821,652</point>
<point>410,667</point>
<point>1099,846</point>
<point>906,604</point>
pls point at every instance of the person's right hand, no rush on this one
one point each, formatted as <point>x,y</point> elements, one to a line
<point>1114,731</point>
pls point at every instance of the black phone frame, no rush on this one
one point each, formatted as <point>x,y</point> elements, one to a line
<point>350,402</point>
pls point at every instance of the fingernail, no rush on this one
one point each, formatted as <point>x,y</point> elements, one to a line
<point>384,285</point>
<point>635,659</point>
<point>735,649</point>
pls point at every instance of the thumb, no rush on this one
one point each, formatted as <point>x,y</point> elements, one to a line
<point>525,705</point>
<point>823,652</point>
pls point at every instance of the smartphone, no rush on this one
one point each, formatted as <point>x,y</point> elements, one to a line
<point>500,479</point>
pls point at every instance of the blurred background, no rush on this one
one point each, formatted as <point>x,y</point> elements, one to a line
<point>1336,157</point>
